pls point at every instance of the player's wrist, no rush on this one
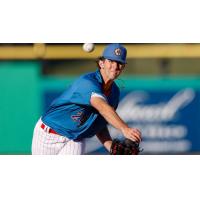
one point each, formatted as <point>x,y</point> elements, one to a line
<point>124,129</point>
<point>108,145</point>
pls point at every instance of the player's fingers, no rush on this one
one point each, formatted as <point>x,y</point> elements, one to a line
<point>137,135</point>
<point>135,139</point>
<point>137,131</point>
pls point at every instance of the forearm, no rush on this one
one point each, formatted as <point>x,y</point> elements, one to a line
<point>112,117</point>
<point>105,138</point>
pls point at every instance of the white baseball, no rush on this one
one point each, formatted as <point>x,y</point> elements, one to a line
<point>88,47</point>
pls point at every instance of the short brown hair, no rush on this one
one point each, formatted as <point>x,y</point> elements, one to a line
<point>101,58</point>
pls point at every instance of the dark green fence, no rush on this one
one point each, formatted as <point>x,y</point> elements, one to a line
<point>20,101</point>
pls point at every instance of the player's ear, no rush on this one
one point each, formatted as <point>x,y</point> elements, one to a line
<point>101,64</point>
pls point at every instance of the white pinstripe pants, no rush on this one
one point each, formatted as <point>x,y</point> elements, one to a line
<point>45,143</point>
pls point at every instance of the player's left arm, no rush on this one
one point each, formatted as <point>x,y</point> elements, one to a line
<point>105,138</point>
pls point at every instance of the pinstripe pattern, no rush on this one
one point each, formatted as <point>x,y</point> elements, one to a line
<point>45,143</point>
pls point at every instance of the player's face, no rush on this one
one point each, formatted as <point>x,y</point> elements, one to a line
<point>113,69</point>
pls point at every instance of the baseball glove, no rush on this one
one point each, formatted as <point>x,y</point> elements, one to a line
<point>125,147</point>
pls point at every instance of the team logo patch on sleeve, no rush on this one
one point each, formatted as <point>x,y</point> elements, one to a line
<point>118,52</point>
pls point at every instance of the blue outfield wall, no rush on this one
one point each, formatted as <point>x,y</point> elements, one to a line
<point>165,109</point>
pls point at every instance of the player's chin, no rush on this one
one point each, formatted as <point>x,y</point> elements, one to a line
<point>114,76</point>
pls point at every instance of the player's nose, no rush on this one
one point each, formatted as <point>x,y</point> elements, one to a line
<point>116,66</point>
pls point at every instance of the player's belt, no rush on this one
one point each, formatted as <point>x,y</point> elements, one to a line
<point>43,126</point>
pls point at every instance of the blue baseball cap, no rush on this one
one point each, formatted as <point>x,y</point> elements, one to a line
<point>115,52</point>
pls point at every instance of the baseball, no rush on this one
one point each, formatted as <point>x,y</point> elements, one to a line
<point>88,47</point>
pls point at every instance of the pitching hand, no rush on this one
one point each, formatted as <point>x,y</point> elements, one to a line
<point>133,134</point>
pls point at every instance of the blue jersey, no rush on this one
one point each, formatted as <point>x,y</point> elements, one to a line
<point>72,115</point>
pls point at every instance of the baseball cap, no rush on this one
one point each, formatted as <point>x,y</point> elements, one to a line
<point>115,52</point>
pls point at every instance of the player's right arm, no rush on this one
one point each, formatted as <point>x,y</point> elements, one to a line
<point>105,138</point>
<point>114,119</point>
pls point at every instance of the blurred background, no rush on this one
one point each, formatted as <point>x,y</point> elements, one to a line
<point>160,92</point>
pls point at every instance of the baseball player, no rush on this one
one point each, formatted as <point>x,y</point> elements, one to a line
<point>84,110</point>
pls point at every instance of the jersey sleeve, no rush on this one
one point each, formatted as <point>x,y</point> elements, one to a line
<point>98,95</point>
<point>84,89</point>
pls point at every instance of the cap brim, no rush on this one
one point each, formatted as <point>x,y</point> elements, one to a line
<point>115,59</point>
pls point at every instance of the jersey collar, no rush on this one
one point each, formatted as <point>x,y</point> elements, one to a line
<point>98,76</point>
